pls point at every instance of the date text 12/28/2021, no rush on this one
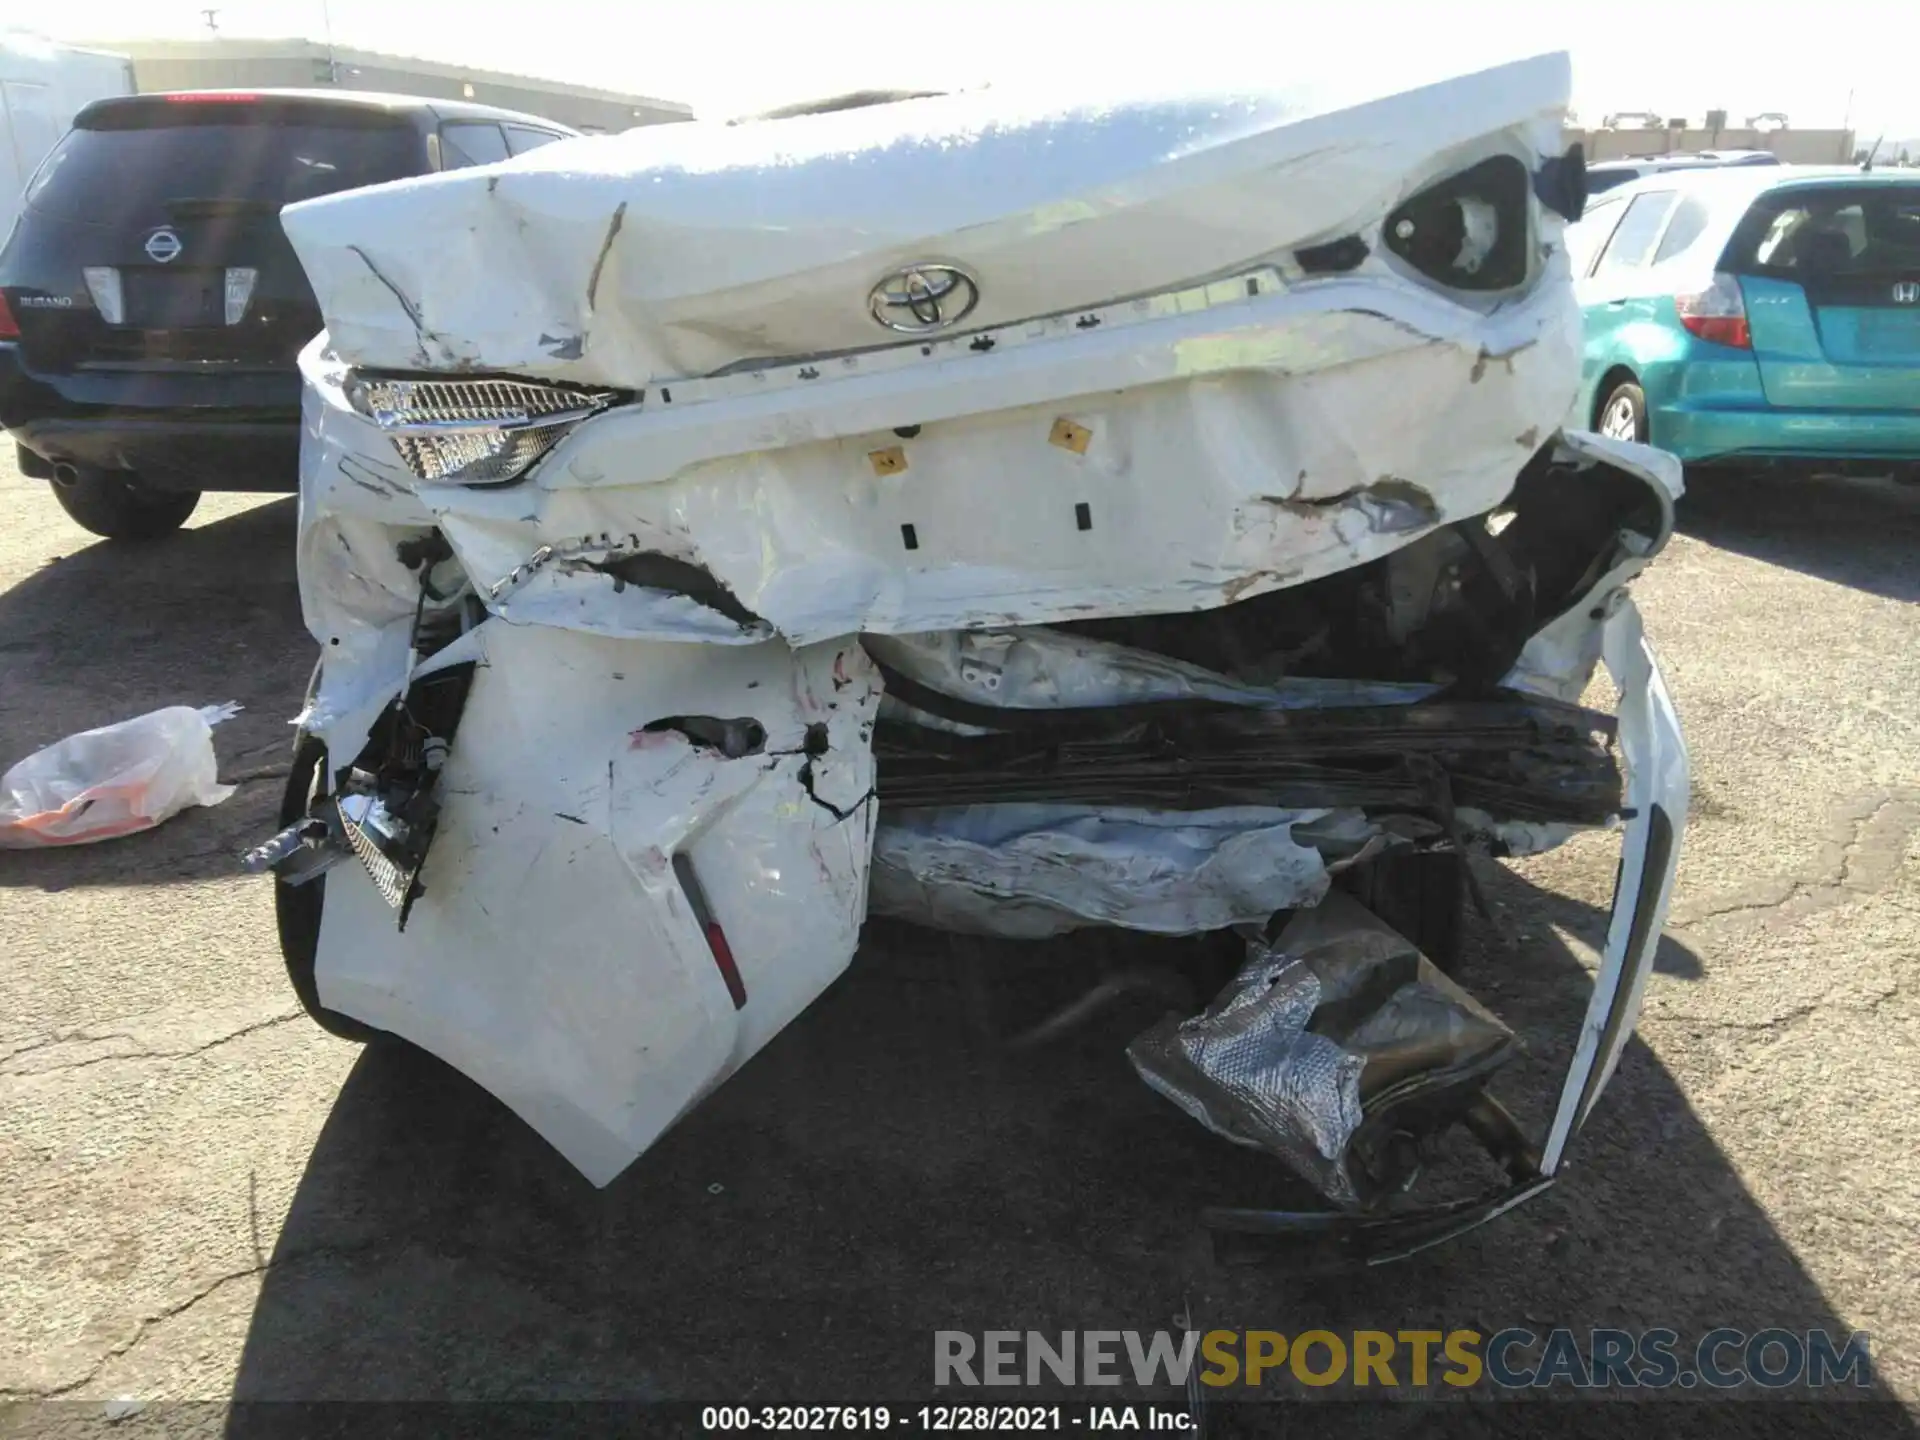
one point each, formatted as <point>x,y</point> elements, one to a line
<point>988,1419</point>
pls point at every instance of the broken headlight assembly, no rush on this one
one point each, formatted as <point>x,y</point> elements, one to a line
<point>473,432</point>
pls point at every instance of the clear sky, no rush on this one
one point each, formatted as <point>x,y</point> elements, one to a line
<point>729,56</point>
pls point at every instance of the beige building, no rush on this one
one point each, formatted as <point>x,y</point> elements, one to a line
<point>1794,147</point>
<point>306,64</point>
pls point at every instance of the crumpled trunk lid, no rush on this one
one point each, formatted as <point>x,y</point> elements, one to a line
<point>683,250</point>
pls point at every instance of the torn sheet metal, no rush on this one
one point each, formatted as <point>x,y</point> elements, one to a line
<point>1236,476</point>
<point>1560,658</point>
<point>357,504</point>
<point>554,955</point>
<point>1033,668</point>
<point>683,250</point>
<point>1324,1046</point>
<point>1031,871</point>
<point>1512,838</point>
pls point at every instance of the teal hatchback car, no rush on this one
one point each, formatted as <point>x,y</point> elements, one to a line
<point>1755,317</point>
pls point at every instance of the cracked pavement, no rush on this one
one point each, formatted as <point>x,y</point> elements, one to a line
<point>204,1196</point>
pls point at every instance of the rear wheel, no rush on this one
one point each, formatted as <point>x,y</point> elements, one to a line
<point>1422,895</point>
<point>1623,414</point>
<point>297,908</point>
<point>119,505</point>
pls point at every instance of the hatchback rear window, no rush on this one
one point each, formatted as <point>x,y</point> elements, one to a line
<point>102,173</point>
<point>1633,241</point>
<point>1689,223</point>
<point>1834,230</point>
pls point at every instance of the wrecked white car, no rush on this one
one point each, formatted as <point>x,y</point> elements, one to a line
<point>1151,515</point>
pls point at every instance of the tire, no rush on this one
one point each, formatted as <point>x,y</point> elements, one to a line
<point>1423,896</point>
<point>1623,414</point>
<point>118,505</point>
<point>297,908</point>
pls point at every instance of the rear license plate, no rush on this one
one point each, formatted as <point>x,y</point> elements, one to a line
<point>174,299</point>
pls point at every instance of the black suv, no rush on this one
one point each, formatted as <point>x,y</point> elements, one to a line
<point>151,308</point>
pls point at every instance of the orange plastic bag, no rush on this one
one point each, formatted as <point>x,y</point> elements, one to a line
<point>116,780</point>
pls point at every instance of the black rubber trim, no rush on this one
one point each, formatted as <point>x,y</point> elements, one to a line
<point>1334,257</point>
<point>1340,1238</point>
<point>297,909</point>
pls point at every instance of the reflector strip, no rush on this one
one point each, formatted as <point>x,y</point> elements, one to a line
<point>716,937</point>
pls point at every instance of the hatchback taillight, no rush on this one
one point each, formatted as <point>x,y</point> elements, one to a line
<point>1717,314</point>
<point>9,327</point>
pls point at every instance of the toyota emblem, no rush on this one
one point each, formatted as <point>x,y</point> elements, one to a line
<point>163,245</point>
<point>1907,292</point>
<point>923,298</point>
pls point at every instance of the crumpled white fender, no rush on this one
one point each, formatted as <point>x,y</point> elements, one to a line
<point>553,956</point>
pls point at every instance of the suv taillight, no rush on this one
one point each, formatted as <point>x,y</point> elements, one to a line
<point>1717,313</point>
<point>9,327</point>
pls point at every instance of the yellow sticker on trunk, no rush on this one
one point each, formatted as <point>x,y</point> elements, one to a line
<point>1069,436</point>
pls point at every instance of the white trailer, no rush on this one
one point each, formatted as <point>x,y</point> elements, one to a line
<point>43,85</point>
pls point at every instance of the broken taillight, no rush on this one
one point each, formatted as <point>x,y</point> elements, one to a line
<point>1717,314</point>
<point>1470,230</point>
<point>240,283</point>
<point>109,296</point>
<point>479,431</point>
<point>729,970</point>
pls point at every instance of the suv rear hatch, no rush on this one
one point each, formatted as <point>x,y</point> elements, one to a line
<point>1831,276</point>
<point>152,232</point>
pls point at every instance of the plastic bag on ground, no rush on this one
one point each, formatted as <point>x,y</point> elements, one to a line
<point>117,780</point>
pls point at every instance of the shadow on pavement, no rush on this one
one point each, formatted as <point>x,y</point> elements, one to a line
<point>112,631</point>
<point>884,1170</point>
<point>1861,533</point>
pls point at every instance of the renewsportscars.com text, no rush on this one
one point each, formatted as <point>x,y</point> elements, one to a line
<point>1513,1358</point>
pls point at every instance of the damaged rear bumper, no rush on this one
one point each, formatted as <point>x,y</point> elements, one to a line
<point>639,858</point>
<point>1228,545</point>
<point>649,857</point>
<point>1657,787</point>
